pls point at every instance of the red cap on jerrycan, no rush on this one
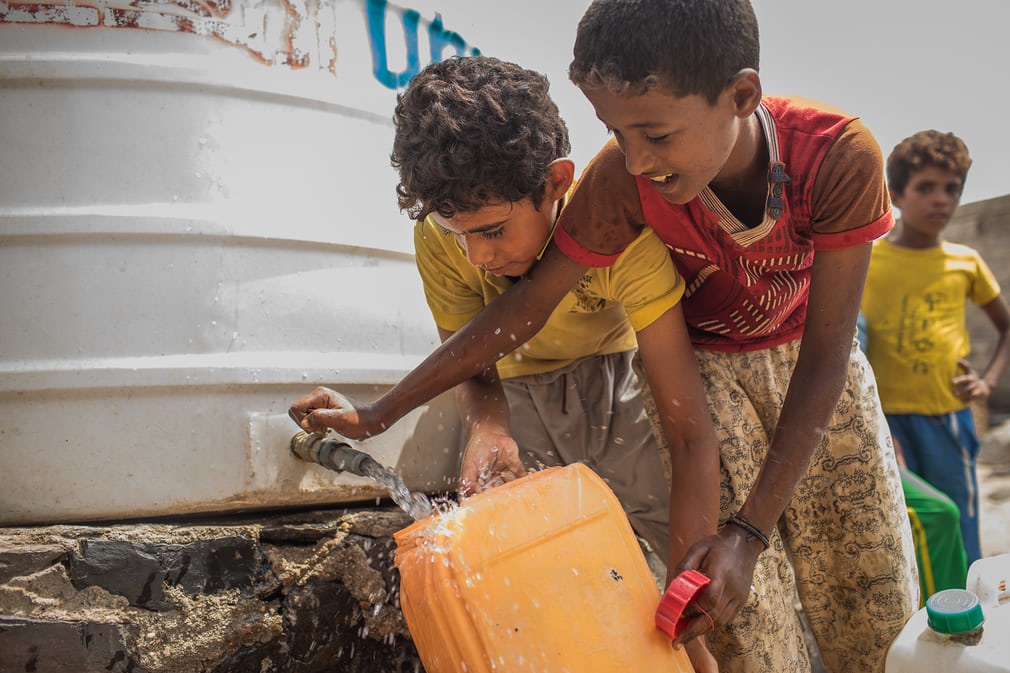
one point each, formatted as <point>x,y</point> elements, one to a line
<point>682,590</point>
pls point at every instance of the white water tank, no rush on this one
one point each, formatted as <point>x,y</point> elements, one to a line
<point>197,226</point>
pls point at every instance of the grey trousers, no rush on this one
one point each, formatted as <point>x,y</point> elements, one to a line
<point>591,412</point>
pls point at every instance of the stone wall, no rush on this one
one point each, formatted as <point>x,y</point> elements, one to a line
<point>300,593</point>
<point>985,226</point>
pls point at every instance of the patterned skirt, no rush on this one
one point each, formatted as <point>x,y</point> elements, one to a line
<point>843,548</point>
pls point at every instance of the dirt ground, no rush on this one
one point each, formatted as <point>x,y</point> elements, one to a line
<point>994,489</point>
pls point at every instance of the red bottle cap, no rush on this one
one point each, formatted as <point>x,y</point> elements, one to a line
<point>670,613</point>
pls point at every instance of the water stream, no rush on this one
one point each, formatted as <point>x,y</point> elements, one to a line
<point>339,456</point>
<point>417,505</point>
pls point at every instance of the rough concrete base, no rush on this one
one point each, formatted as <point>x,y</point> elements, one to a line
<point>295,593</point>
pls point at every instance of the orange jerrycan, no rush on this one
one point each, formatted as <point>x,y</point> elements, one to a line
<point>541,574</point>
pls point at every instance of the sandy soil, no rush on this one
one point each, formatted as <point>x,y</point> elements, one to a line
<point>994,490</point>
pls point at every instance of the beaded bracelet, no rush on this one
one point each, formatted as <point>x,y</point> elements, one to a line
<point>752,530</point>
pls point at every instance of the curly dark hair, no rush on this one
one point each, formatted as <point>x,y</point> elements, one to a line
<point>473,131</point>
<point>926,148</point>
<point>687,46</point>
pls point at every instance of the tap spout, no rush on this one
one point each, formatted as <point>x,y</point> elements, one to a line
<point>333,454</point>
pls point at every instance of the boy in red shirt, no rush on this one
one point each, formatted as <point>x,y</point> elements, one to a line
<point>805,497</point>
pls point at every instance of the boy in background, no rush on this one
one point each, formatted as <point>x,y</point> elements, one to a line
<point>916,291</point>
<point>803,496</point>
<point>481,152</point>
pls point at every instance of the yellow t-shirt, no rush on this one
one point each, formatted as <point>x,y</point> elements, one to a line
<point>599,316</point>
<point>914,305</point>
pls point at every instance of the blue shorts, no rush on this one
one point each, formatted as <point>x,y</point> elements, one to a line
<point>943,449</point>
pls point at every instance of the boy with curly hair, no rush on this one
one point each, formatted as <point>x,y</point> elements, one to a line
<point>481,152</point>
<point>916,291</point>
<point>768,207</point>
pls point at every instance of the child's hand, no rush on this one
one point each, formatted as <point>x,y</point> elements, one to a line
<point>727,559</point>
<point>970,386</point>
<point>490,459</point>
<point>324,409</point>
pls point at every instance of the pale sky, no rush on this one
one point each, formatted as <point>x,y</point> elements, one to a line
<point>902,65</point>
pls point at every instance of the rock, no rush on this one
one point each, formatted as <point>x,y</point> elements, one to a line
<point>310,592</point>
<point>139,570</point>
<point>66,647</point>
<point>28,559</point>
<point>378,524</point>
<point>124,568</point>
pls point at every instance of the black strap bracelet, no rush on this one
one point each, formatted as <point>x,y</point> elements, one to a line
<point>752,530</point>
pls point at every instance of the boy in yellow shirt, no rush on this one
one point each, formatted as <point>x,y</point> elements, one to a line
<point>480,149</point>
<point>914,302</point>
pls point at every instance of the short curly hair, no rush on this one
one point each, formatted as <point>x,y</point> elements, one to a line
<point>686,46</point>
<point>473,131</point>
<point>926,148</point>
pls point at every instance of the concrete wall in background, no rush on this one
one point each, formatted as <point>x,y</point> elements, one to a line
<point>985,226</point>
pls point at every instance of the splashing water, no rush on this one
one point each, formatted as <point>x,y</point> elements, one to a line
<point>340,456</point>
<point>417,505</point>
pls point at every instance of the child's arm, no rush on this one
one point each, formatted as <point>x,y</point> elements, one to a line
<point>971,386</point>
<point>504,325</point>
<point>836,285</point>
<point>491,456</point>
<point>676,386</point>
<point>672,374</point>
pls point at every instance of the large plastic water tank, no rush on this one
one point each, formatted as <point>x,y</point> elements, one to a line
<point>197,226</point>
